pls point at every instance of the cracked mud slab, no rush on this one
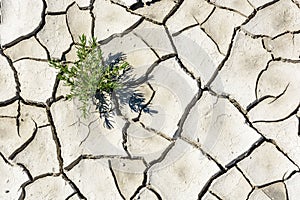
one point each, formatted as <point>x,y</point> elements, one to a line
<point>220,116</point>
<point>237,186</point>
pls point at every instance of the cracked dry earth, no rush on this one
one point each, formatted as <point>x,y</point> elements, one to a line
<point>221,80</point>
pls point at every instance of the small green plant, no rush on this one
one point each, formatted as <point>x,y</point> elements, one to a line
<point>90,79</point>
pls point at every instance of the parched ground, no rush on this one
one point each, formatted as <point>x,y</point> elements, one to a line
<point>220,84</point>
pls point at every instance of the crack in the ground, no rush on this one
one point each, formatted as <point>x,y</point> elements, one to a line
<point>63,56</point>
<point>26,171</point>
<point>284,33</point>
<point>249,194</point>
<point>194,25</point>
<point>171,39</point>
<point>115,179</point>
<point>9,101</point>
<point>226,8</point>
<point>145,181</point>
<point>207,155</point>
<point>67,21</point>
<point>271,141</point>
<point>248,1</point>
<point>32,180</point>
<point>91,8</point>
<point>189,73</point>
<point>26,143</point>
<point>210,37</point>
<point>18,118</point>
<point>286,191</point>
<point>99,157</point>
<point>128,30</point>
<point>245,177</point>
<point>55,13</point>
<point>266,5</point>
<point>15,72</point>
<point>207,18</point>
<point>6,116</point>
<point>270,183</point>
<point>207,185</point>
<point>185,29</point>
<point>89,130</point>
<point>43,126</point>
<point>263,43</point>
<point>33,103</point>
<point>255,36</point>
<point>298,117</point>
<point>30,58</point>
<point>286,60</point>
<point>55,139</point>
<point>43,46</point>
<point>147,44</point>
<point>73,186</point>
<point>55,88</point>
<point>261,99</point>
<point>34,32</point>
<point>215,195</point>
<point>172,11</point>
<point>258,78</point>
<point>227,55</point>
<point>294,112</point>
<point>71,196</point>
<point>228,97</point>
<point>4,159</point>
<point>156,193</point>
<point>177,58</point>
<point>293,173</point>
<point>52,100</point>
<point>244,155</point>
<point>186,112</point>
<point>61,12</point>
<point>152,130</point>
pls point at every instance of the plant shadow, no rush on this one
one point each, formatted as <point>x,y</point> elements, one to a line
<point>128,94</point>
